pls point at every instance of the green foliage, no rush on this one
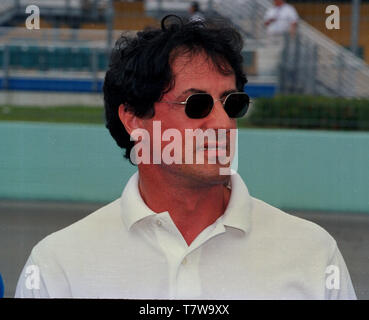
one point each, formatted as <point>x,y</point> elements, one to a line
<point>69,114</point>
<point>295,111</point>
<point>309,112</point>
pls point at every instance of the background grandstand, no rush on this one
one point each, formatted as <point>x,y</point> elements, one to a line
<point>54,173</point>
<point>75,38</point>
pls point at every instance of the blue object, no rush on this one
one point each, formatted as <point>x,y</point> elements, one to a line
<point>49,84</point>
<point>258,90</point>
<point>254,90</point>
<point>1,287</point>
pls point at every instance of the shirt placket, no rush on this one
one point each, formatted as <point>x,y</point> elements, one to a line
<point>173,246</point>
<point>183,260</point>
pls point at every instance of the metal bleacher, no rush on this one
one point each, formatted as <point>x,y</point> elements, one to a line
<point>51,54</point>
<point>47,58</point>
<point>52,58</point>
<point>70,51</point>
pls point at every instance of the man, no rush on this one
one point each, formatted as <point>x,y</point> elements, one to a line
<point>183,229</point>
<point>195,12</point>
<point>281,18</point>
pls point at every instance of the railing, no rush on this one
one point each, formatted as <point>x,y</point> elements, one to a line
<point>311,62</point>
<point>338,69</point>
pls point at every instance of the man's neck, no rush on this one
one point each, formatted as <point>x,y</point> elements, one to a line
<point>192,208</point>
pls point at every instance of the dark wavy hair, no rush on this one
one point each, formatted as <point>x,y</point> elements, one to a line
<point>140,72</point>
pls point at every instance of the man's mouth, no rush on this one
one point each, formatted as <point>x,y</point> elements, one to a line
<point>214,146</point>
<point>214,150</point>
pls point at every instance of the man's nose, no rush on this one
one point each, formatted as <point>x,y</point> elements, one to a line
<point>218,117</point>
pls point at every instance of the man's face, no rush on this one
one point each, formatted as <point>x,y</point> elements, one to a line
<point>191,75</point>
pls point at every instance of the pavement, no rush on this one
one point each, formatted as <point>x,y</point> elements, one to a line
<point>24,223</point>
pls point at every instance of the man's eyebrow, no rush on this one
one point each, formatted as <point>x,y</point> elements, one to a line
<point>191,90</point>
<point>194,90</point>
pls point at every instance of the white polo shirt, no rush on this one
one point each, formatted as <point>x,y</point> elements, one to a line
<point>125,250</point>
<point>284,16</point>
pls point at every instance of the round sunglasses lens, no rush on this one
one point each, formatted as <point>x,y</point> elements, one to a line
<point>199,105</point>
<point>237,105</point>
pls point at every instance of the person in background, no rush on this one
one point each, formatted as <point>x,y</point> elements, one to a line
<point>281,18</point>
<point>195,12</point>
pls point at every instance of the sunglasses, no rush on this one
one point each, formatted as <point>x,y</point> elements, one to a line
<point>199,105</point>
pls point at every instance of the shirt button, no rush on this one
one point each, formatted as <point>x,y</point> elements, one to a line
<point>184,261</point>
<point>158,223</point>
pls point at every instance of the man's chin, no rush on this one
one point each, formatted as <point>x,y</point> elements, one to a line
<point>208,174</point>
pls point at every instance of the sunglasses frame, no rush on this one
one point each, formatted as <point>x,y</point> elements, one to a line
<point>214,100</point>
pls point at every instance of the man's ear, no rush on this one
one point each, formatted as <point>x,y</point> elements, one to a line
<point>128,119</point>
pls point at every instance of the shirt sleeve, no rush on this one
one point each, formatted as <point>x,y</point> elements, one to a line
<point>43,276</point>
<point>338,284</point>
<point>292,15</point>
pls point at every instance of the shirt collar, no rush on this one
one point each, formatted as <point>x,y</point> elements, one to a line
<point>236,215</point>
<point>238,211</point>
<point>133,208</point>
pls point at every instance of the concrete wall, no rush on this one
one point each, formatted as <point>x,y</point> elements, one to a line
<point>297,169</point>
<point>39,98</point>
